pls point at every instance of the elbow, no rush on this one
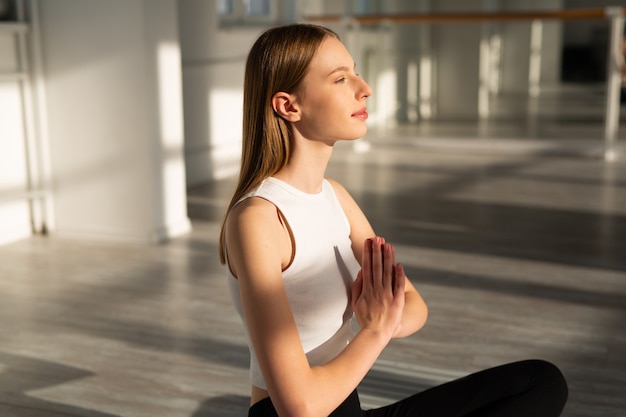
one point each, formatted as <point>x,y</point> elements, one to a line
<point>415,317</point>
<point>305,405</point>
<point>423,317</point>
<point>419,320</point>
<point>304,408</point>
<point>413,320</point>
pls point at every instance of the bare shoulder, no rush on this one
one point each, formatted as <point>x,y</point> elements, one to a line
<point>252,229</point>
<point>336,185</point>
<point>360,228</point>
<point>250,208</point>
<point>348,203</point>
<point>342,194</point>
<point>254,214</point>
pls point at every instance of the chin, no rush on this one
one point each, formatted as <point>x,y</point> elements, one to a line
<point>349,135</point>
<point>350,138</point>
<point>358,134</point>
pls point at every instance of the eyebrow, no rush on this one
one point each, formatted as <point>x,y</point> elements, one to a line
<point>339,69</point>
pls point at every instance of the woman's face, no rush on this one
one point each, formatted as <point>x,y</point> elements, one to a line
<point>332,96</point>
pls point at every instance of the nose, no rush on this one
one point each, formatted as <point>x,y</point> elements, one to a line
<point>364,90</point>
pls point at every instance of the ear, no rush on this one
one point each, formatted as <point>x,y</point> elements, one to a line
<point>285,106</point>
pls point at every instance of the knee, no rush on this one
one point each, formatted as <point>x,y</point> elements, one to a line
<point>551,378</point>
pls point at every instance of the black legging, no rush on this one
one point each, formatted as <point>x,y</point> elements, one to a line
<point>522,389</point>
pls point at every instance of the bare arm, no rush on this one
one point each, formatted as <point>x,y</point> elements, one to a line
<point>253,234</point>
<point>415,310</point>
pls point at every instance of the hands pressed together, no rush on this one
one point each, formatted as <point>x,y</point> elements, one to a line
<point>378,291</point>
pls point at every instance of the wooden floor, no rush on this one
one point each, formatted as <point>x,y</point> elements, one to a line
<point>518,255</point>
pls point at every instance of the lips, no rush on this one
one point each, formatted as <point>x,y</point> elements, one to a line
<point>361,114</point>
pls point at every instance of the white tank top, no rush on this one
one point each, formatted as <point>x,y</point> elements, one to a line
<point>319,279</point>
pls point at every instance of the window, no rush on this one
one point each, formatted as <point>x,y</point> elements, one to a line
<point>370,6</point>
<point>225,7</point>
<point>247,12</point>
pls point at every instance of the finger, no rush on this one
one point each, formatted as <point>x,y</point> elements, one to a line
<point>366,265</point>
<point>388,267</point>
<point>377,264</point>
<point>357,288</point>
<point>399,280</point>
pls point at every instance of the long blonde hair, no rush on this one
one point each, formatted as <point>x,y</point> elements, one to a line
<point>278,61</point>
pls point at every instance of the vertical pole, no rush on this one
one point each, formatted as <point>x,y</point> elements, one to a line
<point>534,65</point>
<point>484,59</point>
<point>30,145</point>
<point>40,135</point>
<point>614,80</point>
<point>426,73</point>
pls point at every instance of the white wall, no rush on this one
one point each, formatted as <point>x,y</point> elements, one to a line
<point>112,71</point>
<point>14,213</point>
<point>457,48</point>
<point>516,47</point>
<point>213,63</point>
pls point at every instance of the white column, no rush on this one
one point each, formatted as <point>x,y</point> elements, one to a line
<point>114,94</point>
<point>15,214</point>
<point>614,81</point>
<point>457,62</point>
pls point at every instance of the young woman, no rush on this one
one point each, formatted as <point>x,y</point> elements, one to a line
<point>303,258</point>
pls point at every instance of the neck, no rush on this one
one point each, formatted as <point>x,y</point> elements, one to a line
<point>307,165</point>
